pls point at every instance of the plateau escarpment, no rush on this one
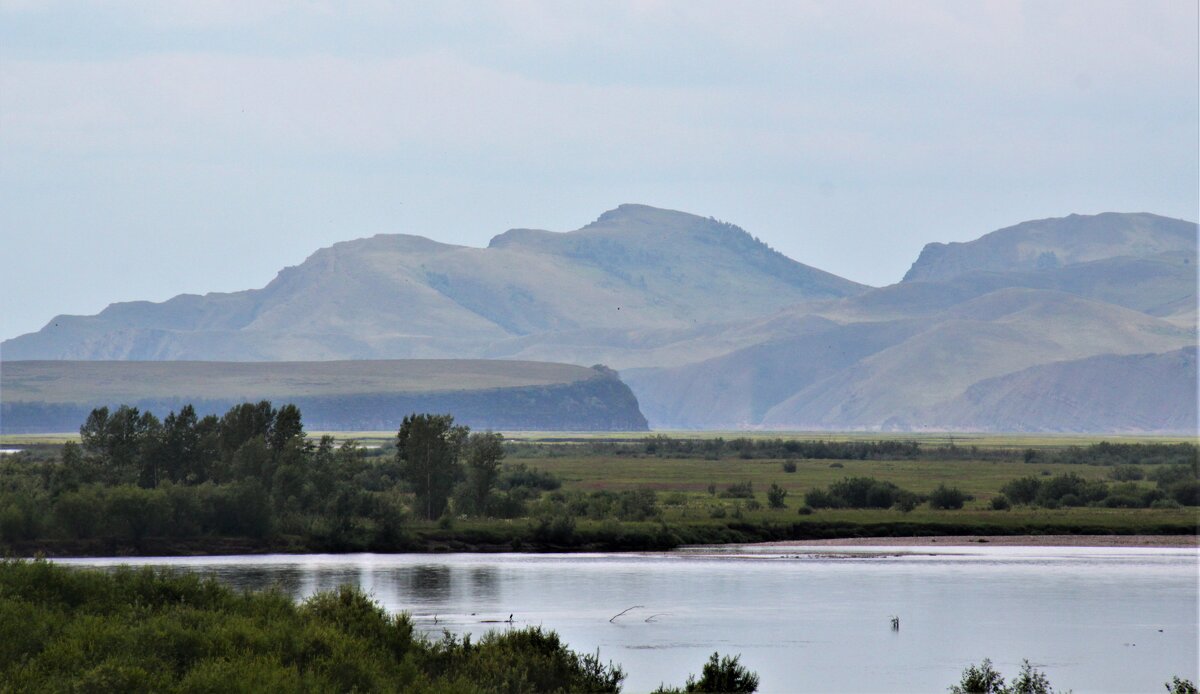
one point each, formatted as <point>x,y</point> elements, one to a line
<point>56,396</point>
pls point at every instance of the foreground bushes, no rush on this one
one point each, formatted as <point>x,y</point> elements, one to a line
<point>64,629</point>
<point>985,679</point>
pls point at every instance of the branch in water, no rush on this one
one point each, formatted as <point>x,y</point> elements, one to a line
<point>624,611</point>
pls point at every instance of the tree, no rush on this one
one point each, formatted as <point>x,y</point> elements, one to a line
<point>286,428</point>
<point>181,444</point>
<point>427,448</point>
<point>484,453</point>
<point>244,422</point>
<point>775,496</point>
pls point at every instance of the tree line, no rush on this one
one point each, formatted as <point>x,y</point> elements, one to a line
<point>253,473</point>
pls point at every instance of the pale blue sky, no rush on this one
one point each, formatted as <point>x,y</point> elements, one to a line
<point>149,149</point>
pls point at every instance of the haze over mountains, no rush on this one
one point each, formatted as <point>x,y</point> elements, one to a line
<point>1029,328</point>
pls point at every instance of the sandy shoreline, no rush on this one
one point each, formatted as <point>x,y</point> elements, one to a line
<point>1005,540</point>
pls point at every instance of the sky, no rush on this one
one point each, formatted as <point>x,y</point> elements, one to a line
<point>149,149</point>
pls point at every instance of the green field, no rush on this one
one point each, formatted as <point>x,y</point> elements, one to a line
<point>633,492</point>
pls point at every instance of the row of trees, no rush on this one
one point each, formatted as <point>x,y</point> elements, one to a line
<point>252,472</point>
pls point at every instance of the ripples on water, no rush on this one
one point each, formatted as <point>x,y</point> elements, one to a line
<point>805,618</point>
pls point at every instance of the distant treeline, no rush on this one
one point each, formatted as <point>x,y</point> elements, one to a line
<point>746,448</point>
<point>1105,453</point>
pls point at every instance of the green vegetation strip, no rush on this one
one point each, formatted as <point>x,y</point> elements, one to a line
<point>254,481</point>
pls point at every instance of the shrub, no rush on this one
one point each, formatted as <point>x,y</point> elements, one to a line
<point>1185,492</point>
<point>805,510</point>
<point>1126,473</point>
<point>519,475</point>
<point>556,528</point>
<point>947,498</point>
<point>776,495</point>
<point>981,679</point>
<point>1000,503</point>
<point>820,498</point>
<point>836,465</point>
<point>719,675</point>
<point>984,679</point>
<point>739,490</point>
<point>789,466</point>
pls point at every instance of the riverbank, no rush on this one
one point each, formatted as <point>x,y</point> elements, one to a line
<point>1009,541</point>
<point>485,537</point>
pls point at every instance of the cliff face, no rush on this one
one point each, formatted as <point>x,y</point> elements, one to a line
<point>599,401</point>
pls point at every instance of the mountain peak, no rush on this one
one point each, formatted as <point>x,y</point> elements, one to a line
<point>1055,242</point>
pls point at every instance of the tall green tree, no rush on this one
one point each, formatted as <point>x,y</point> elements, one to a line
<point>485,451</point>
<point>427,449</point>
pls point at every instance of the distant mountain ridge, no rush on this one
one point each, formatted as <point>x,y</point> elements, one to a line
<point>1056,242</point>
<point>713,329</point>
<point>400,296</point>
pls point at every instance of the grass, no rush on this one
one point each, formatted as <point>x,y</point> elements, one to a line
<point>693,475</point>
<point>682,484</point>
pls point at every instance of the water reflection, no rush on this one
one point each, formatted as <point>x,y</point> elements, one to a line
<point>806,621</point>
<point>485,583</point>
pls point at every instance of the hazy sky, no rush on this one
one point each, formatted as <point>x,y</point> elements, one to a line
<point>152,148</point>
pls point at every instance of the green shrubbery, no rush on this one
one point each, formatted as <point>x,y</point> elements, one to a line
<point>140,630</point>
<point>985,679</point>
<point>725,675</point>
<point>1176,485</point>
<point>862,492</point>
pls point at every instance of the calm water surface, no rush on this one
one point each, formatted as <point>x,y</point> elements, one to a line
<point>804,618</point>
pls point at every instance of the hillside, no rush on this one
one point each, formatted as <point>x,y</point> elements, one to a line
<point>710,327</point>
<point>399,296</point>
<point>875,374</point>
<point>45,396</point>
<point>1138,393</point>
<point>1056,242</point>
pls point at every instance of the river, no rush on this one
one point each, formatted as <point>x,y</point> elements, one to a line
<point>804,618</point>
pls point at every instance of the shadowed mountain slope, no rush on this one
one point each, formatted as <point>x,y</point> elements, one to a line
<point>1108,393</point>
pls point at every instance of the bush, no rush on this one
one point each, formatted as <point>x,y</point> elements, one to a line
<point>1000,503</point>
<point>947,498</point>
<point>805,510</point>
<point>981,679</point>
<point>820,498</point>
<point>1185,492</point>
<point>776,495</point>
<point>836,465</point>
<point>719,675</point>
<point>984,679</point>
<point>789,466</point>
<point>739,490</point>
<point>1126,473</point>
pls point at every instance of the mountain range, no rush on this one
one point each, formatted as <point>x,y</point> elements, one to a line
<point>1066,324</point>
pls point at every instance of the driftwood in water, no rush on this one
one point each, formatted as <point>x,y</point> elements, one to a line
<point>624,611</point>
